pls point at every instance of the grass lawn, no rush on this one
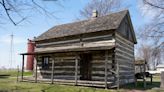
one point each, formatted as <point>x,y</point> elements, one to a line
<point>13,73</point>
<point>8,84</point>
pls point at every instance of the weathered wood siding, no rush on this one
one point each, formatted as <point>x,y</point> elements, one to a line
<point>89,39</point>
<point>125,29</point>
<point>124,55</point>
<point>65,63</point>
<point>98,66</point>
<point>64,67</point>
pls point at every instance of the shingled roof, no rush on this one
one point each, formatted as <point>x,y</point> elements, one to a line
<point>108,22</point>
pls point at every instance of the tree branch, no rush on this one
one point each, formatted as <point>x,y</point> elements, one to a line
<point>7,11</point>
<point>153,5</point>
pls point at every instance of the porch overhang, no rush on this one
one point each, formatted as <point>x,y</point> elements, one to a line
<point>82,48</point>
<point>51,50</point>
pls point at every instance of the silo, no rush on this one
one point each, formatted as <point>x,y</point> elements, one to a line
<point>30,58</point>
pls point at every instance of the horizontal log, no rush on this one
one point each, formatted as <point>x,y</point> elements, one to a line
<point>65,66</point>
<point>100,69</point>
<point>125,48</point>
<point>118,55</point>
<point>101,61</point>
<point>124,53</point>
<point>65,69</point>
<point>65,58</point>
<point>98,43</point>
<point>67,54</point>
<point>123,61</point>
<point>97,37</point>
<point>59,42</point>
<point>126,77</point>
<point>102,78</point>
<point>101,64</point>
<point>126,67</point>
<point>59,72</point>
<point>102,75</point>
<point>122,45</point>
<point>123,39</point>
<point>64,63</point>
<point>66,77</point>
<point>59,67</point>
<point>126,73</point>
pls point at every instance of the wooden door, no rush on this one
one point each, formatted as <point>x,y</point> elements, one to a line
<point>85,66</point>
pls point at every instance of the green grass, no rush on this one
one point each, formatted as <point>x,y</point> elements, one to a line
<point>155,84</point>
<point>13,73</point>
<point>9,84</point>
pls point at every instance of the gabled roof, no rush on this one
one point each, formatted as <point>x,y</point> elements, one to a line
<point>108,22</point>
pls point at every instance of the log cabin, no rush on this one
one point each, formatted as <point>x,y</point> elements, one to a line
<point>95,52</point>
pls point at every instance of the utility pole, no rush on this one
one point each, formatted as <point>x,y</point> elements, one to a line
<point>11,50</point>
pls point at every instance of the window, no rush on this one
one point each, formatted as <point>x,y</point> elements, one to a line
<point>45,62</point>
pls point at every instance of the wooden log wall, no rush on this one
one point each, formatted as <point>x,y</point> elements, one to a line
<point>64,67</point>
<point>77,40</point>
<point>98,66</point>
<point>124,55</point>
<point>64,63</point>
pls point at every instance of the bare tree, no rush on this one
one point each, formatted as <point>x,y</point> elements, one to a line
<point>155,3</point>
<point>144,52</point>
<point>154,30</point>
<point>17,11</point>
<point>152,55</point>
<point>102,6</point>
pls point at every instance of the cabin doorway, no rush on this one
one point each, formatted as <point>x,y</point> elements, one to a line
<point>85,66</point>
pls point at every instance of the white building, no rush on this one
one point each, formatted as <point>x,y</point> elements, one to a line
<point>160,68</point>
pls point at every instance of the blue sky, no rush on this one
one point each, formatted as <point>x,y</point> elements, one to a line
<point>39,24</point>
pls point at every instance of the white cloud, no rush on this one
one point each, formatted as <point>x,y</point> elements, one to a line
<point>6,39</point>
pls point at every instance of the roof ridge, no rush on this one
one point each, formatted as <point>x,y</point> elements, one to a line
<point>107,22</point>
<point>91,19</point>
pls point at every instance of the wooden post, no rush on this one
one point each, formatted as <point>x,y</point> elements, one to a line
<point>106,74</point>
<point>162,80</point>
<point>22,67</point>
<point>52,73</point>
<point>144,77</point>
<point>36,58</point>
<point>17,73</point>
<point>151,78</point>
<point>118,76</point>
<point>135,82</point>
<point>76,69</point>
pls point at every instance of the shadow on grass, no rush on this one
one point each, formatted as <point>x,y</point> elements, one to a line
<point>4,76</point>
<point>140,86</point>
<point>45,89</point>
<point>17,89</point>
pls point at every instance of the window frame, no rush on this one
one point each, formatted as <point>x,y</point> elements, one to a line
<point>45,62</point>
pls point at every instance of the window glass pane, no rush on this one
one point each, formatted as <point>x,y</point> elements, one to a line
<point>45,62</point>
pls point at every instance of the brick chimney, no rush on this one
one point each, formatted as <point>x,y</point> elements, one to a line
<point>94,14</point>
